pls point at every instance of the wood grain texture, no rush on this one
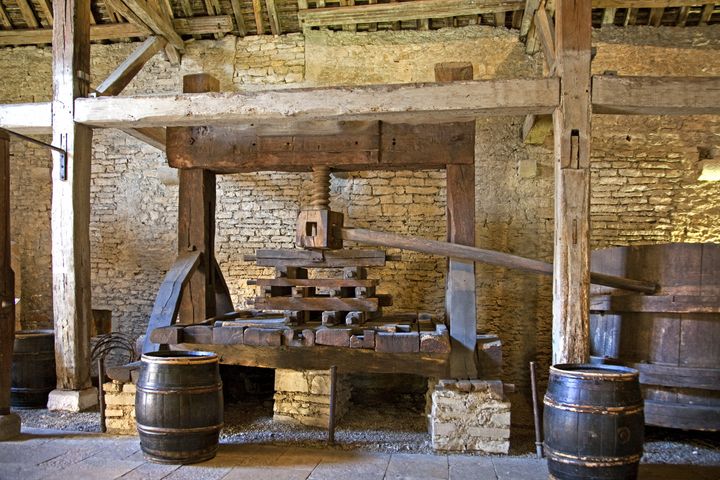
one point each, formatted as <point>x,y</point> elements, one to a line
<point>317,304</point>
<point>355,146</point>
<point>7,280</point>
<point>70,219</point>
<point>157,23</point>
<point>167,301</point>
<point>571,266</point>
<point>27,118</point>
<point>126,71</point>
<point>115,31</point>
<point>396,12</point>
<point>656,95</point>
<point>403,103</point>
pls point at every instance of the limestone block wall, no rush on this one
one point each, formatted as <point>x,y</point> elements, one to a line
<point>303,397</point>
<point>120,408</point>
<point>644,172</point>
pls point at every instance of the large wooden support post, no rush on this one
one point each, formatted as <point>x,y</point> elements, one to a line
<point>460,298</point>
<point>571,274</point>
<point>71,208</point>
<point>196,224</point>
<point>9,423</point>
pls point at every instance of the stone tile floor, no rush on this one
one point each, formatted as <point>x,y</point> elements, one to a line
<point>40,454</point>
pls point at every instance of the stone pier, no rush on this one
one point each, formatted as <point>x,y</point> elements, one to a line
<point>303,397</point>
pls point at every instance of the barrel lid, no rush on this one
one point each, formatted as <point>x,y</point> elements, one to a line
<point>595,371</point>
<point>180,357</point>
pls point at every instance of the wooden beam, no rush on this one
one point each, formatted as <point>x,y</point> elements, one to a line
<point>460,297</point>
<point>196,224</point>
<point>4,19</point>
<point>571,267</point>
<point>7,290</point>
<point>656,16</point>
<point>257,11</point>
<point>167,302</point>
<point>356,146</point>
<point>405,103</point>
<point>401,11</point>
<point>531,7</point>
<point>609,16</point>
<point>656,95</point>
<point>239,21</point>
<point>113,31</point>
<point>636,4</point>
<point>153,136</point>
<point>27,13</point>
<point>70,219</point>
<point>27,118</point>
<point>126,71</point>
<point>156,22</point>
<point>546,33</point>
<point>706,13</point>
<point>46,7</point>
<point>273,16</point>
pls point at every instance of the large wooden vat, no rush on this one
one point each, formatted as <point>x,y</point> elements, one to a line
<point>33,368</point>
<point>673,337</point>
<point>593,422</point>
<point>179,406</point>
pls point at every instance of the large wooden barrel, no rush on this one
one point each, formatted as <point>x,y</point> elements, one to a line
<point>673,337</point>
<point>593,421</point>
<point>179,406</point>
<point>33,368</point>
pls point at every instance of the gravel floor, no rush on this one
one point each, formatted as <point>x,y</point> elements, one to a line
<point>389,429</point>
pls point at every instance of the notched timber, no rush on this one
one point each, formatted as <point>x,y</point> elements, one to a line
<point>357,146</point>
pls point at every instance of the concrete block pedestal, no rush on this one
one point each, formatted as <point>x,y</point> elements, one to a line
<point>469,416</point>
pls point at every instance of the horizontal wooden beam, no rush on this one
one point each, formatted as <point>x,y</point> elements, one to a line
<point>655,303</point>
<point>395,12</point>
<point>361,146</point>
<point>644,3</point>
<point>406,103</point>
<point>656,95</point>
<point>112,31</point>
<point>27,118</point>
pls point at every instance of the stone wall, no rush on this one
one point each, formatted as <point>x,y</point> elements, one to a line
<point>120,408</point>
<point>644,174</point>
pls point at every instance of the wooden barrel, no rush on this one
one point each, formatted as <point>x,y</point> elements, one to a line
<point>673,337</point>
<point>179,406</point>
<point>593,421</point>
<point>33,368</point>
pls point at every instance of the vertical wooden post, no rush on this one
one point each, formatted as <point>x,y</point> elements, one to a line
<point>9,423</point>
<point>460,297</point>
<point>71,208</point>
<point>571,274</point>
<point>196,224</point>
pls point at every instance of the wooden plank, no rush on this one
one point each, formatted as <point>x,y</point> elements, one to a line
<point>196,224</point>
<point>706,13</point>
<point>402,11</point>
<point>46,9</point>
<point>546,34</point>
<point>114,31</point>
<point>636,4</point>
<point>609,16</point>
<point>257,11</point>
<point>528,17</point>
<point>27,13</point>
<point>699,340</point>
<point>385,146</point>
<point>571,266</point>
<point>317,304</point>
<point>656,95</point>
<point>167,302</point>
<point>273,17</point>
<point>398,342</point>
<point>460,297</point>
<point>686,417</point>
<point>314,282</point>
<point>656,15</point>
<point>655,303</point>
<point>170,335</point>
<point>673,376</point>
<point>683,13</point>
<point>319,259</point>
<point>223,300</point>
<point>27,118</point>
<point>126,71</point>
<point>70,211</point>
<point>348,360</point>
<point>239,21</point>
<point>402,103</point>
<point>4,19</point>
<point>156,22</point>
<point>7,280</point>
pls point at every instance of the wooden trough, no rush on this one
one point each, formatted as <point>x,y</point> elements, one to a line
<point>673,337</point>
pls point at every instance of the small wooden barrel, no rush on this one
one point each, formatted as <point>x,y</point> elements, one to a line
<point>33,368</point>
<point>179,406</point>
<point>593,422</point>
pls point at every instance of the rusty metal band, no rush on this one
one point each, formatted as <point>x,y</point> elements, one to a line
<point>175,390</point>
<point>601,410</point>
<point>168,430</point>
<point>590,462</point>
<point>199,359</point>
